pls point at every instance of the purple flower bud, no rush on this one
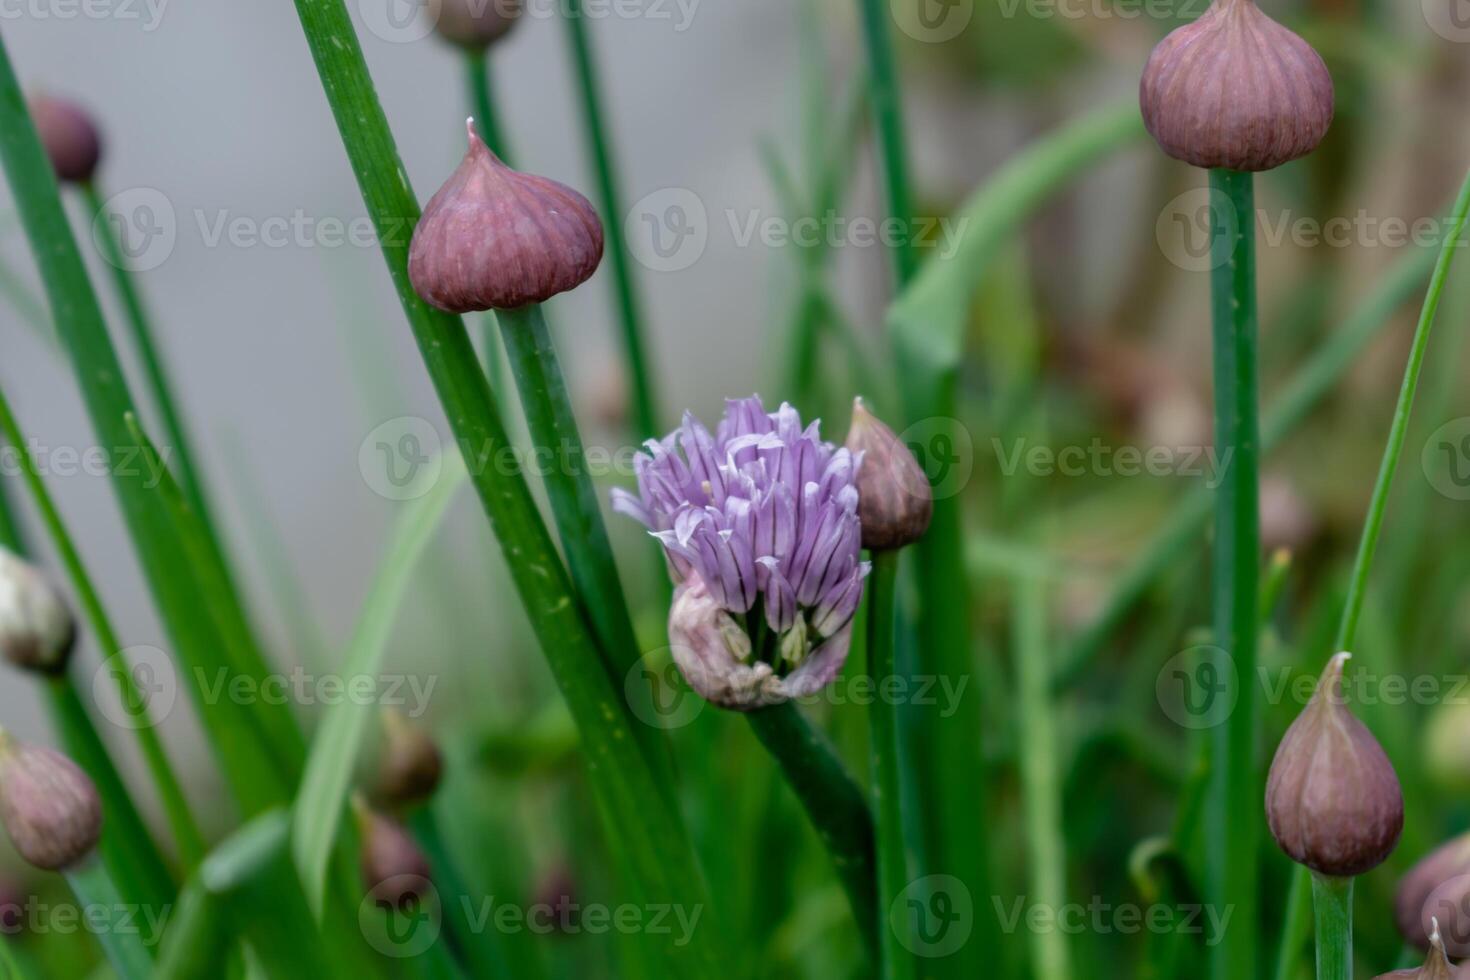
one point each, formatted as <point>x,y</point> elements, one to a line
<point>1437,887</point>
<point>69,136</point>
<point>760,524</point>
<point>394,868</point>
<point>409,770</point>
<point>1235,89</point>
<point>1436,965</point>
<point>37,631</point>
<point>49,807</point>
<point>557,891</point>
<point>1332,797</point>
<point>895,500</point>
<point>493,238</point>
<point>475,23</point>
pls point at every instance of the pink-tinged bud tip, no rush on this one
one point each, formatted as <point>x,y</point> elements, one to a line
<point>49,807</point>
<point>1436,965</point>
<point>394,868</point>
<point>494,238</point>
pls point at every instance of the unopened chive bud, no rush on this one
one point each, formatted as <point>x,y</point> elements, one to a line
<point>1235,89</point>
<point>1436,965</point>
<point>475,23</point>
<point>1438,886</point>
<point>49,807</point>
<point>1332,798</point>
<point>557,891</point>
<point>494,238</point>
<point>69,136</point>
<point>37,631</point>
<point>895,501</point>
<point>410,767</point>
<point>394,868</point>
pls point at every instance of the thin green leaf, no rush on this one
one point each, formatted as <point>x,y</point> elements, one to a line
<point>335,749</point>
<point>113,920</point>
<point>252,772</point>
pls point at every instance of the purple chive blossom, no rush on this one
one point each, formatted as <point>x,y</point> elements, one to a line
<point>758,520</point>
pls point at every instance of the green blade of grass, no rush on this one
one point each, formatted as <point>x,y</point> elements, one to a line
<point>926,327</point>
<point>1304,393</point>
<point>645,836</point>
<point>574,501</point>
<point>98,894</point>
<point>248,763</point>
<point>322,799</point>
<point>630,317</point>
<point>175,805</point>
<point>1292,939</point>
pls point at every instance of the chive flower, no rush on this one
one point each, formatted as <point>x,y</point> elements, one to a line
<point>1436,964</point>
<point>410,767</point>
<point>493,238</point>
<point>394,868</point>
<point>476,23</point>
<point>1438,885</point>
<point>49,807</point>
<point>37,631</point>
<point>69,136</point>
<point>759,522</point>
<point>1332,797</point>
<point>1235,89</point>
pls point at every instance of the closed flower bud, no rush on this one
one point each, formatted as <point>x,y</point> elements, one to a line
<point>410,768</point>
<point>1332,798</point>
<point>476,23</point>
<point>37,631</point>
<point>493,238</point>
<point>394,868</point>
<point>69,136</point>
<point>895,501</point>
<point>1437,887</point>
<point>49,807</point>
<point>1237,90</point>
<point>1436,965</point>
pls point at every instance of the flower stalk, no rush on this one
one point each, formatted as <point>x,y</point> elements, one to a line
<point>1332,903</point>
<point>1231,862</point>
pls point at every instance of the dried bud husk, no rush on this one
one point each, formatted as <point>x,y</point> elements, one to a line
<point>1237,90</point>
<point>48,805</point>
<point>1332,799</point>
<point>411,766</point>
<point>494,238</point>
<point>895,500</point>
<point>37,631</point>
<point>715,655</point>
<point>394,868</point>
<point>1438,886</point>
<point>476,23</point>
<point>1436,966</point>
<point>69,136</point>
